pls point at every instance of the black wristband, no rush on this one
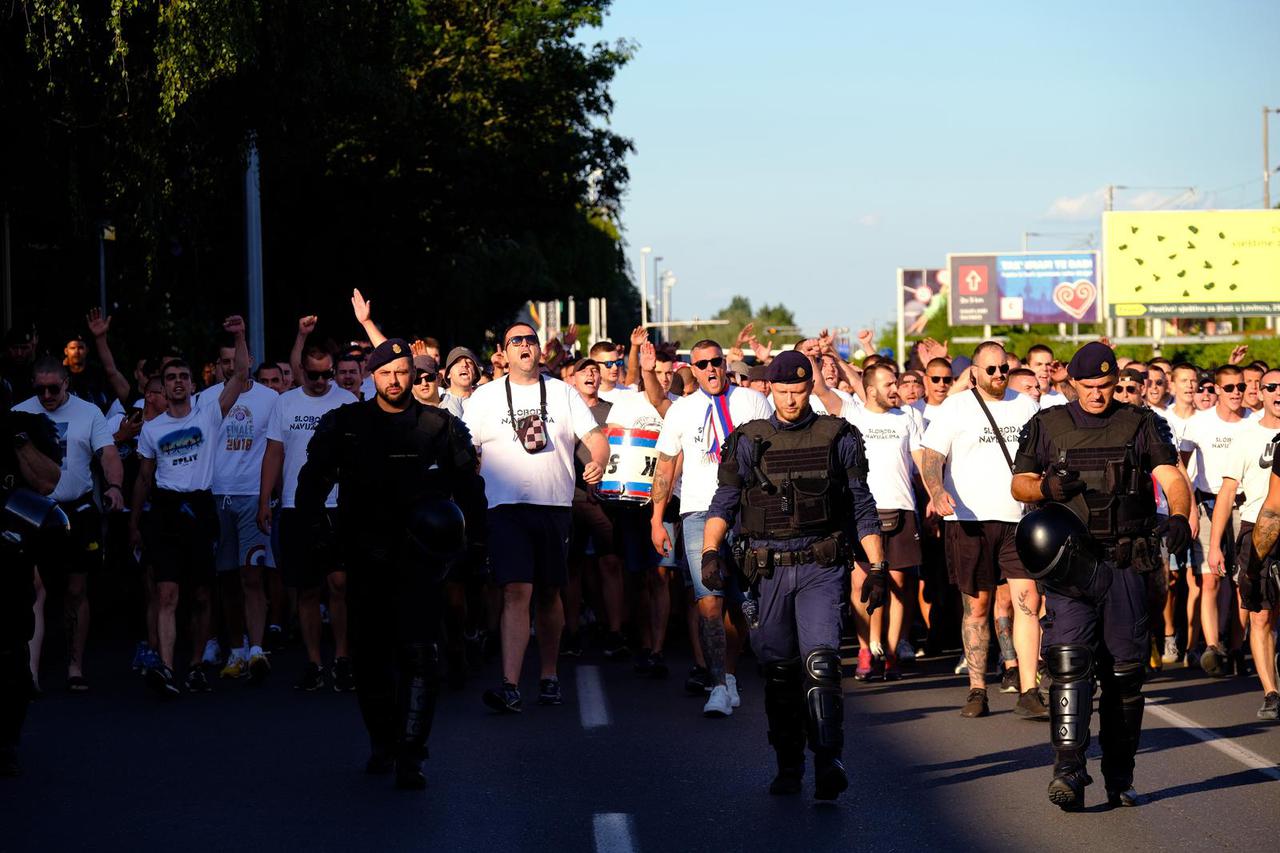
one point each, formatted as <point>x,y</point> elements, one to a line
<point>880,566</point>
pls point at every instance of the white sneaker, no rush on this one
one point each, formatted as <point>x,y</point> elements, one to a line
<point>1170,650</point>
<point>962,667</point>
<point>877,649</point>
<point>718,703</point>
<point>212,653</point>
<point>905,650</point>
<point>731,685</point>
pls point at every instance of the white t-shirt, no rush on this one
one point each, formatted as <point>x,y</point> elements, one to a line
<point>454,405</point>
<point>617,393</point>
<point>1053,398</point>
<point>512,475</point>
<point>1208,438</point>
<point>82,432</point>
<point>977,475</point>
<point>931,411</point>
<point>889,438</point>
<point>182,448</point>
<point>237,457</point>
<point>1249,464</point>
<point>292,423</point>
<point>684,431</point>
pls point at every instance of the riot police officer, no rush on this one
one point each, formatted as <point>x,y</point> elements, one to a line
<point>409,499</point>
<point>797,484</point>
<point>1089,463</point>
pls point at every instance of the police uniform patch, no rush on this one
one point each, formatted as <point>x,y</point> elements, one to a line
<point>1105,366</point>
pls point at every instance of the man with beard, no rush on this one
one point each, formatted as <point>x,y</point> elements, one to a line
<point>399,466</point>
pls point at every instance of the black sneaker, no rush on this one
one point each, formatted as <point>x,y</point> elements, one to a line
<point>644,662</point>
<point>571,645</point>
<point>976,704</point>
<point>1270,709</point>
<point>312,678</point>
<point>658,666</point>
<point>1009,682</point>
<point>160,679</point>
<point>197,681</point>
<point>1030,707</point>
<point>549,692</point>
<point>344,680</point>
<point>699,681</point>
<point>615,646</point>
<point>275,639</point>
<point>505,700</point>
<point>1215,662</point>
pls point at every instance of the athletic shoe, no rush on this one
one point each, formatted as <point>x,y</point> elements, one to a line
<point>196,682</point>
<point>1170,654</point>
<point>658,666</point>
<point>863,670</point>
<point>922,652</point>
<point>718,703</point>
<point>1240,664</point>
<point>160,679</point>
<point>1215,662</point>
<point>1031,707</point>
<point>150,659</point>
<point>1270,709</point>
<point>892,672</point>
<point>274,640</point>
<point>877,649</point>
<point>549,692</point>
<point>212,653</point>
<point>138,664</point>
<point>976,705</point>
<point>699,681</point>
<point>644,662</point>
<point>505,700</point>
<point>962,666</point>
<point>571,644</point>
<point>259,665</point>
<point>344,680</point>
<point>312,678</point>
<point>1009,681</point>
<point>237,666</point>
<point>905,651</point>
<point>731,685</point>
<point>615,646</point>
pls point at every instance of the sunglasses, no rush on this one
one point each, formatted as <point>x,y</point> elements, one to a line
<point>945,380</point>
<point>992,368</point>
<point>1206,389</point>
<point>617,362</point>
<point>519,340</point>
<point>1271,387</point>
<point>1126,389</point>
<point>1239,386</point>
<point>1158,383</point>
<point>317,375</point>
<point>425,377</point>
<point>51,390</point>
<point>703,364</point>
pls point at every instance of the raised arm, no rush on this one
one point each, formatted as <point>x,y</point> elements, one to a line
<point>363,309</point>
<point>306,325</point>
<point>239,380</point>
<point>99,325</point>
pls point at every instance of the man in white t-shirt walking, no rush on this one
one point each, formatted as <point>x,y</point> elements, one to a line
<point>1040,361</point>
<point>244,550</point>
<point>84,436</point>
<point>289,431</point>
<point>525,428</point>
<point>981,515</point>
<point>696,427</point>
<point>1207,441</point>
<point>1248,467</point>
<point>176,450</point>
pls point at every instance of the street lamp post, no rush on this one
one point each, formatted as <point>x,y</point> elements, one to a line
<point>657,306</point>
<point>645,251</point>
<point>668,282</point>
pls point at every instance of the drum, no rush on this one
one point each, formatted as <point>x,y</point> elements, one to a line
<point>633,459</point>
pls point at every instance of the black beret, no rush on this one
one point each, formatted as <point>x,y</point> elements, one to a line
<point>789,368</point>
<point>1094,360</point>
<point>388,351</point>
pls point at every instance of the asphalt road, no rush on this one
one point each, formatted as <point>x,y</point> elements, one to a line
<point>626,764</point>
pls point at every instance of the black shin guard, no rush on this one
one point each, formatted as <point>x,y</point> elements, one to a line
<point>785,708</point>
<point>1120,722</point>
<point>1070,707</point>
<point>419,687</point>
<point>825,701</point>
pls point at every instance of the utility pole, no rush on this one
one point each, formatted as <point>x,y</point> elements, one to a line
<point>644,284</point>
<point>1266,157</point>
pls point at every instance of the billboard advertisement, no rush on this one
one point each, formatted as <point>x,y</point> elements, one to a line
<point>1024,287</point>
<point>921,294</point>
<point>1192,263</point>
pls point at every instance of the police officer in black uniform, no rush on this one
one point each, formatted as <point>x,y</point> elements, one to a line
<point>797,483</point>
<point>1089,463</point>
<point>29,470</point>
<point>410,499</point>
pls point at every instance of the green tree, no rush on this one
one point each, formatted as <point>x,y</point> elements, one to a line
<point>772,322</point>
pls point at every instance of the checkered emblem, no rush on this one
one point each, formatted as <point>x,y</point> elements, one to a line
<point>532,433</point>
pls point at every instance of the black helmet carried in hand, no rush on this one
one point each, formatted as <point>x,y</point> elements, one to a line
<point>437,532</point>
<point>1056,549</point>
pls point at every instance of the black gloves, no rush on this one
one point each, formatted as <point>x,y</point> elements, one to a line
<point>1061,486</point>
<point>1177,534</point>
<point>873,588</point>
<point>712,578</point>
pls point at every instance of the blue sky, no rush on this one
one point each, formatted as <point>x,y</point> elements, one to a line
<point>802,152</point>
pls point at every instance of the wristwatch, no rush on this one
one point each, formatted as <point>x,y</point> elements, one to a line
<point>880,566</point>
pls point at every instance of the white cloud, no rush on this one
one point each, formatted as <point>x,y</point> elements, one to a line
<point>1090,205</point>
<point>869,220</point>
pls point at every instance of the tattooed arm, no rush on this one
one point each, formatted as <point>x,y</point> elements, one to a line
<point>931,473</point>
<point>663,479</point>
<point>1267,529</point>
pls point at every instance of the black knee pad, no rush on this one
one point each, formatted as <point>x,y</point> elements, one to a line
<point>1126,679</point>
<point>1069,661</point>
<point>825,699</point>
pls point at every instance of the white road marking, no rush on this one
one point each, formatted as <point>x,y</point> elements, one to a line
<point>615,832</point>
<point>1226,746</point>
<point>592,707</point>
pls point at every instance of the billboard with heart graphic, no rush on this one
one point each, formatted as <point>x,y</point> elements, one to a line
<point>1024,287</point>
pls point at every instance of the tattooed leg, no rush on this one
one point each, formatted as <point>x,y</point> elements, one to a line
<point>1026,630</point>
<point>711,632</point>
<point>976,633</point>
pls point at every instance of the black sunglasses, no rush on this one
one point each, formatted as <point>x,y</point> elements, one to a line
<point>424,376</point>
<point>945,380</point>
<point>703,364</point>
<point>992,368</point>
<point>51,390</point>
<point>1126,389</point>
<point>1206,389</point>
<point>517,340</point>
<point>1271,387</point>
<point>1239,386</point>
<point>1157,382</point>
<point>317,375</point>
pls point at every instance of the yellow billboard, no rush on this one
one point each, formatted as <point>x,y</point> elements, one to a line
<point>1191,263</point>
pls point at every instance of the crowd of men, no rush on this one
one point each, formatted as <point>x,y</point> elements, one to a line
<point>190,474</point>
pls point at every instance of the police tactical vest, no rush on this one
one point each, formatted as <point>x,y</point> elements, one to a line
<point>1119,500</point>
<point>804,491</point>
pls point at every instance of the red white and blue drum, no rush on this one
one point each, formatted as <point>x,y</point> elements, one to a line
<point>633,459</point>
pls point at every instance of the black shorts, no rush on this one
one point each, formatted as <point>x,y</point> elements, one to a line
<point>591,526</point>
<point>529,544</point>
<point>304,567</point>
<point>901,537</point>
<point>631,535</point>
<point>981,554</point>
<point>184,537</point>
<point>81,552</point>
<point>1262,593</point>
